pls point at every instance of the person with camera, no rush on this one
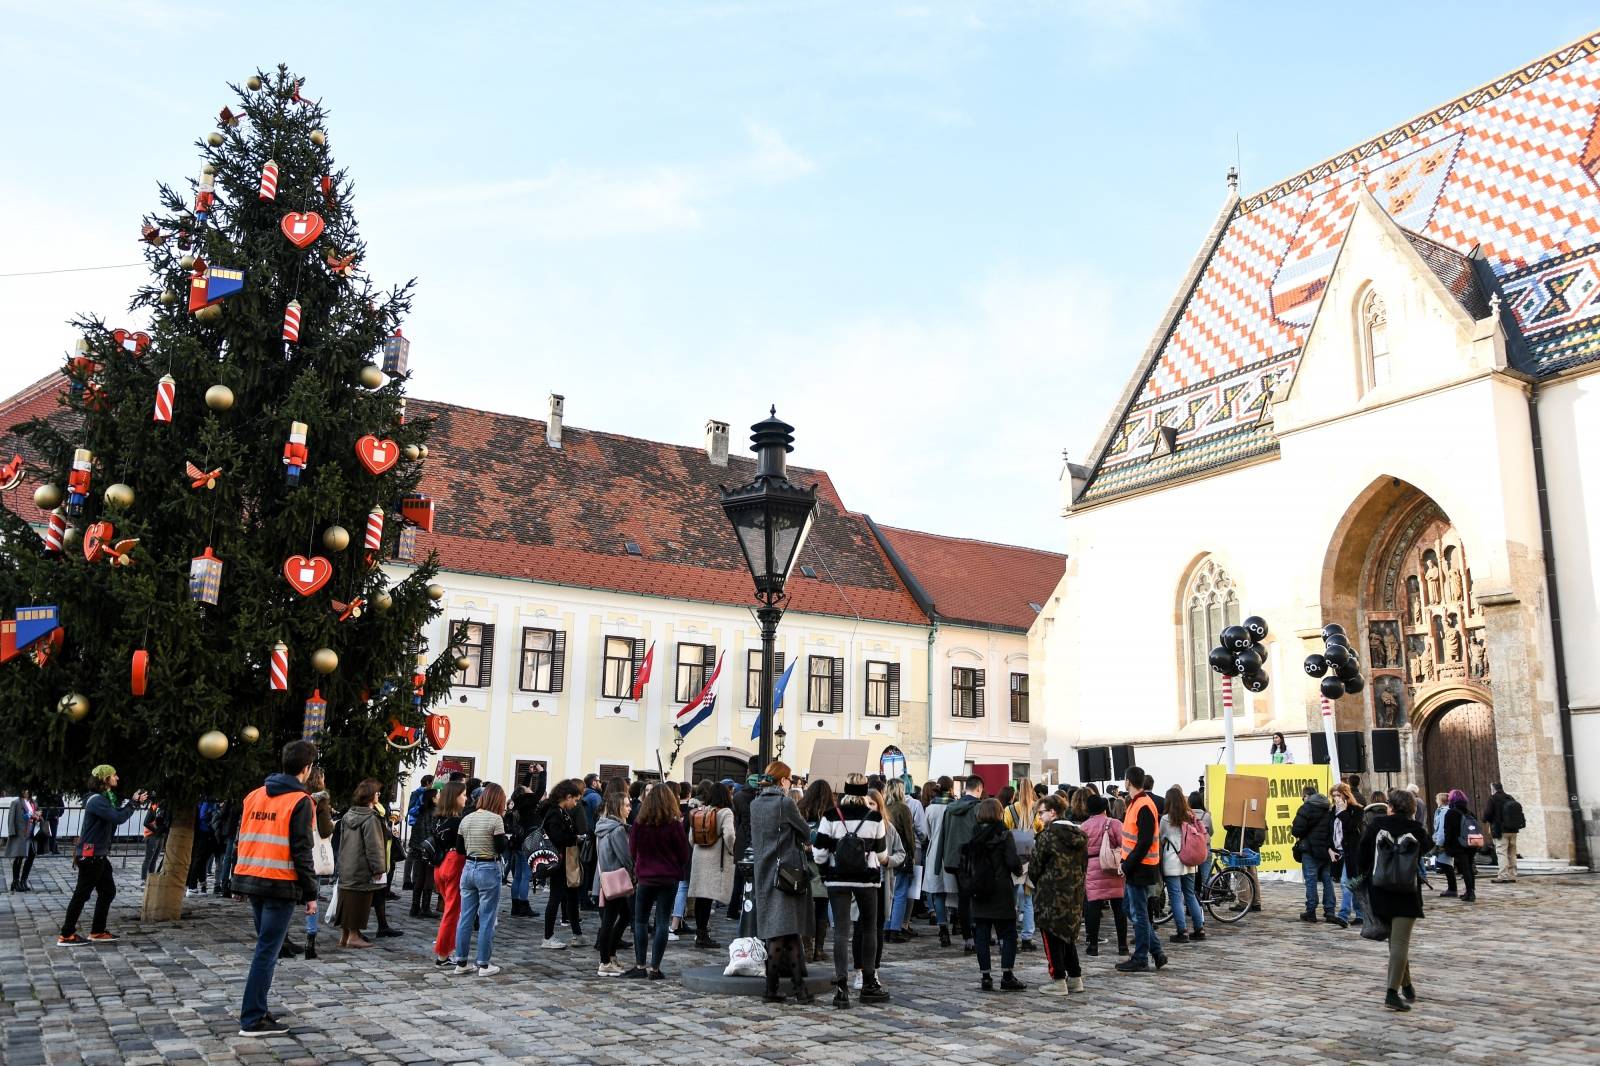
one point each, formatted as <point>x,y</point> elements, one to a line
<point>102,813</point>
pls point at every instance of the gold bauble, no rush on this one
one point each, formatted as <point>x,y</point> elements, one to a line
<point>412,452</point>
<point>252,83</point>
<point>219,397</point>
<point>371,376</point>
<point>336,538</point>
<point>186,262</point>
<point>120,495</point>
<point>70,536</point>
<point>324,660</point>
<point>249,734</point>
<point>75,705</point>
<point>462,662</point>
<point>319,138</point>
<point>208,313</point>
<point>209,170</point>
<point>435,592</point>
<point>168,298</point>
<point>213,744</point>
<point>47,497</point>
<point>215,141</point>
<point>383,601</point>
<point>423,449</point>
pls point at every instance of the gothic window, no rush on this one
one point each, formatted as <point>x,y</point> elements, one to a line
<point>1210,603</point>
<point>1375,333</point>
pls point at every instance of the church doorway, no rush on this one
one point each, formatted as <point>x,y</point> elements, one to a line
<point>1459,751</point>
<point>719,766</point>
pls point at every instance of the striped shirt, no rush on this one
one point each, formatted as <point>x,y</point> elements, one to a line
<point>860,822</point>
<point>478,831</point>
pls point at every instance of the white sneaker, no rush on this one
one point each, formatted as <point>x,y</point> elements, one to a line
<point>855,982</point>
<point>1074,984</point>
<point>488,971</point>
<point>1054,988</point>
<point>672,937</point>
<point>577,942</point>
<point>552,944</point>
<point>188,892</point>
<point>461,970</point>
<point>611,969</point>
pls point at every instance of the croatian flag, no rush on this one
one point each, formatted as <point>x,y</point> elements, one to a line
<point>700,708</point>
<point>644,672</point>
<point>777,699</point>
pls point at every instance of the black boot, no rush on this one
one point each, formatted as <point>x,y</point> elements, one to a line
<point>841,994</point>
<point>702,939</point>
<point>802,994</point>
<point>311,946</point>
<point>944,936</point>
<point>1393,1001</point>
<point>772,995</point>
<point>290,949</point>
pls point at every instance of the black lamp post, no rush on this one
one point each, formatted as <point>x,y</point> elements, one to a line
<point>771,517</point>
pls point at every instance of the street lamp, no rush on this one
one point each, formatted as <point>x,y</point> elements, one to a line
<point>781,735</point>
<point>771,517</point>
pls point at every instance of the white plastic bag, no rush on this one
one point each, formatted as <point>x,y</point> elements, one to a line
<point>747,957</point>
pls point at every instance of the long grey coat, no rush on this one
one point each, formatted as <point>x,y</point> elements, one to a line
<point>934,879</point>
<point>711,869</point>
<point>19,831</point>
<point>778,833</point>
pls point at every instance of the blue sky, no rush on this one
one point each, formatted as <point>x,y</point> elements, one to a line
<point>937,235</point>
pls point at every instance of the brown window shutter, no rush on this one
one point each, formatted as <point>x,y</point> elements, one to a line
<point>777,666</point>
<point>710,659</point>
<point>558,661</point>
<point>836,705</point>
<point>978,682</point>
<point>638,664</point>
<point>486,660</point>
<point>894,688</point>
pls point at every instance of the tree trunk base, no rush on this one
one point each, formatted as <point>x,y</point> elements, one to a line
<point>163,891</point>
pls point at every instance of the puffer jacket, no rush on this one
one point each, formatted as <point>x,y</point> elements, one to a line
<point>1103,884</point>
<point>1313,827</point>
<point>363,854</point>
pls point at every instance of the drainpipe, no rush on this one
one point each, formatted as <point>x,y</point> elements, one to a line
<point>1580,836</point>
<point>933,635</point>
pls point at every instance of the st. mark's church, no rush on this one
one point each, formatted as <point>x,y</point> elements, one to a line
<point>1374,400</point>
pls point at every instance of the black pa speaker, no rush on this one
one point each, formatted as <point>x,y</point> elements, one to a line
<point>1319,748</point>
<point>1121,759</point>
<point>1386,751</point>
<point>1094,764</point>
<point>1352,751</point>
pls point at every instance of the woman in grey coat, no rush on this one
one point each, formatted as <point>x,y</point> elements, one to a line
<point>936,883</point>
<point>19,839</point>
<point>779,835</point>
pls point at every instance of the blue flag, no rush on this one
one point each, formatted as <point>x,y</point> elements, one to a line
<point>777,699</point>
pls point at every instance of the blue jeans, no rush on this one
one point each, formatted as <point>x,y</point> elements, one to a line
<point>311,919</point>
<point>520,874</point>
<point>680,905</point>
<point>660,898</point>
<point>941,912</point>
<point>1025,912</point>
<point>1181,895</point>
<point>1318,873</point>
<point>480,902</point>
<point>272,924</point>
<point>902,899</point>
<point>1347,899</point>
<point>1136,901</point>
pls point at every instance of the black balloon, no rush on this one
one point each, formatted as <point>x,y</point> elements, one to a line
<point>1337,655</point>
<point>1337,638</point>
<point>1349,670</point>
<point>1221,660</point>
<point>1332,687</point>
<point>1316,665</point>
<point>1247,661</point>
<point>1256,682</point>
<point>1257,627</point>
<point>1236,638</point>
<point>1260,649</point>
<point>1331,628</point>
<point>1352,685</point>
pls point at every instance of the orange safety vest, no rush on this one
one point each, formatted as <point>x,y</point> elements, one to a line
<point>264,836</point>
<point>1130,830</point>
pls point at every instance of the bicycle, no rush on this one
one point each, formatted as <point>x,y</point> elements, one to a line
<point>1226,893</point>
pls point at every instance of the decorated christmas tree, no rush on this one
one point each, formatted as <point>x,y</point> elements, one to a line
<point>202,580</point>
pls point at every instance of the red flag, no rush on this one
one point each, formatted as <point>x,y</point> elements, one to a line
<point>644,671</point>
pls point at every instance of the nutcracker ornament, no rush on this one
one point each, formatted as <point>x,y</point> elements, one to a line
<point>205,578</point>
<point>278,671</point>
<point>166,392</point>
<point>396,354</point>
<point>269,180</point>
<point>294,453</point>
<point>78,481</point>
<point>205,196</point>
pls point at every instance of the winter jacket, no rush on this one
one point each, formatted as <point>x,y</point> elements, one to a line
<point>1386,904</point>
<point>660,853</point>
<point>778,834</point>
<point>919,826</point>
<point>1102,884</point>
<point>526,807</point>
<point>992,843</point>
<point>934,876</point>
<point>743,796</point>
<point>610,849</point>
<point>1059,870</point>
<point>1171,844</point>
<point>868,827</point>
<point>302,829</point>
<point>363,855</point>
<point>1347,838</point>
<point>960,822</point>
<point>100,821</point>
<point>1452,833</point>
<point>711,867</point>
<point>1313,827</point>
<point>1146,833</point>
<point>904,824</point>
<point>560,827</point>
<point>24,816</point>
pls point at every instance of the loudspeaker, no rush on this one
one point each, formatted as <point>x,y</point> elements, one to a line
<point>1121,759</point>
<point>1094,764</point>
<point>1386,751</point>
<point>1319,749</point>
<point>1352,751</point>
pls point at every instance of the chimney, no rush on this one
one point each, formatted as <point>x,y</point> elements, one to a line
<point>552,429</point>
<point>1073,479</point>
<point>717,442</point>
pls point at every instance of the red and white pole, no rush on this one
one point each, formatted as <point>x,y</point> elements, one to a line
<point>1227,721</point>
<point>1328,732</point>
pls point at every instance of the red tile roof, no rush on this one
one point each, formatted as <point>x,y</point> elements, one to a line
<point>976,582</point>
<point>509,505</point>
<point>36,401</point>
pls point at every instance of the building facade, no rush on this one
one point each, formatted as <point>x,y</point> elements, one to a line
<point>1371,403</point>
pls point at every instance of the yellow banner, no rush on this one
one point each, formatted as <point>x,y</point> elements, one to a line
<point>1283,801</point>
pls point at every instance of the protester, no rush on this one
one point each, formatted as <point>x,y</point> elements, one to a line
<point>420,797</point>
<point>275,871</point>
<point>363,864</point>
<point>101,816</point>
<point>660,851</point>
<point>959,823</point>
<point>593,800</point>
<point>556,819</point>
<point>894,858</point>
<point>1176,823</point>
<point>904,822</point>
<point>612,855</point>
<point>1400,907</point>
<point>1019,818</point>
<point>156,826</point>
<point>201,849</point>
<point>988,863</point>
<point>814,803</point>
<point>1103,886</point>
<point>1346,846</point>
<point>1058,871</point>
<point>939,884</point>
<point>919,846</point>
<point>1141,868</point>
<point>420,858</point>
<point>743,796</point>
<point>24,822</point>
<point>710,881</point>
<point>1279,752</point>
<point>316,784</point>
<point>1505,819</point>
<point>1459,827</point>
<point>1313,834</point>
<point>848,846</point>
<point>1197,807</point>
<point>779,835</point>
<point>521,821</point>
<point>388,826</point>
<point>448,807</point>
<point>1442,860</point>
<point>483,838</point>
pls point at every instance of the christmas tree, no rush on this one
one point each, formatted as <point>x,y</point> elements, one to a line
<point>219,496</point>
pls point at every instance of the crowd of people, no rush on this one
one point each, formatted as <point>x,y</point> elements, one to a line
<point>824,873</point>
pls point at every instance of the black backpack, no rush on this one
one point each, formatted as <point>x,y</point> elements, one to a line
<point>1512,820</point>
<point>850,855</point>
<point>1394,862</point>
<point>976,874</point>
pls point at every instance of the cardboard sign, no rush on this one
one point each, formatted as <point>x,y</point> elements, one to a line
<point>948,759</point>
<point>833,760</point>
<point>996,776</point>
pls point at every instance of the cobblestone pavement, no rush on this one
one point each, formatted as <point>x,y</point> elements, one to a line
<point>1511,978</point>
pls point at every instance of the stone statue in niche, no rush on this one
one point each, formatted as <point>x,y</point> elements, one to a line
<point>1453,579</point>
<point>1391,645</point>
<point>1375,652</point>
<point>1415,600</point>
<point>1386,703</point>
<point>1419,656</point>
<point>1383,645</point>
<point>1430,575</point>
<point>1416,670</point>
<point>1478,655</point>
<point>1452,638</point>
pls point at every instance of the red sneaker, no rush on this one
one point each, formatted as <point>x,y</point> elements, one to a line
<point>72,941</point>
<point>103,938</point>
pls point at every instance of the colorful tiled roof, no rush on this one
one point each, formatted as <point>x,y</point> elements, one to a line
<point>509,505</point>
<point>976,582</point>
<point>1511,170</point>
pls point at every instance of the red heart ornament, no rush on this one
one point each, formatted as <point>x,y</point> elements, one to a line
<point>305,575</point>
<point>95,540</point>
<point>133,342</point>
<point>377,455</point>
<point>438,731</point>
<point>301,227</point>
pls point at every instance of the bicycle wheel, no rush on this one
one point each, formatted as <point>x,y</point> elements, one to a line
<point>1160,908</point>
<point>1229,895</point>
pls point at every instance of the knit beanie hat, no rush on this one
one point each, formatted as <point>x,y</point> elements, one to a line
<point>104,772</point>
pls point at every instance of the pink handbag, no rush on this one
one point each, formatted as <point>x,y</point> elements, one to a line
<point>615,884</point>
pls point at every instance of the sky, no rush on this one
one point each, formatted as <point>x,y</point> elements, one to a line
<point>937,235</point>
